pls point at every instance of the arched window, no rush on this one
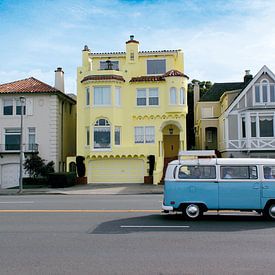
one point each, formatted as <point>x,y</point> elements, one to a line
<point>264,92</point>
<point>182,96</point>
<point>102,134</point>
<point>173,96</point>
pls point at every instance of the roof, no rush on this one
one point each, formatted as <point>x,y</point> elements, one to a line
<point>103,77</point>
<point>171,73</point>
<point>140,52</point>
<point>218,89</point>
<point>29,85</point>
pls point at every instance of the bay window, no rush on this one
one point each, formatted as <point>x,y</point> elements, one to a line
<point>102,134</point>
<point>102,95</point>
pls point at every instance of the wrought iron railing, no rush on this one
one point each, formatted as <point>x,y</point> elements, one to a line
<point>10,148</point>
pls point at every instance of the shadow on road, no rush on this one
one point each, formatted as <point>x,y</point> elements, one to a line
<point>175,223</point>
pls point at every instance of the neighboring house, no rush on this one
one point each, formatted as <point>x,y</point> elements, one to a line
<point>131,107</point>
<point>238,118</point>
<point>49,124</point>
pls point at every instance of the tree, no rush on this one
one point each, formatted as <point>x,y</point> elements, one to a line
<point>35,166</point>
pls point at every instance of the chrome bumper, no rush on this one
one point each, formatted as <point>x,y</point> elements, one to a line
<point>167,208</point>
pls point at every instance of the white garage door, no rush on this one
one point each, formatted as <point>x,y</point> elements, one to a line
<point>116,171</point>
<point>10,175</point>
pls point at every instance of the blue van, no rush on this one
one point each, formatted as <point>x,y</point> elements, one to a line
<point>195,185</point>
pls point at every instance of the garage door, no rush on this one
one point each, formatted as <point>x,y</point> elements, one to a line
<point>10,175</point>
<point>116,171</point>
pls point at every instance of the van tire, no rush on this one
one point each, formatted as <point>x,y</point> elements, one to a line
<point>192,211</point>
<point>269,211</point>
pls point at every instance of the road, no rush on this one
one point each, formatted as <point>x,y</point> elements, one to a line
<point>122,234</point>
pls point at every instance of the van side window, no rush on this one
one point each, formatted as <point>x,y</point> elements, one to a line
<point>269,172</point>
<point>197,172</point>
<point>239,172</point>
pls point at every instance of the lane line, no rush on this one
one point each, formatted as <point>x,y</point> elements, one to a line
<point>75,211</point>
<point>155,226</point>
<point>15,202</point>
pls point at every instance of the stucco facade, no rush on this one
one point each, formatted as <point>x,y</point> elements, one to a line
<point>49,126</point>
<point>131,105</point>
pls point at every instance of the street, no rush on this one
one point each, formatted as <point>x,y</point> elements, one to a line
<point>118,234</point>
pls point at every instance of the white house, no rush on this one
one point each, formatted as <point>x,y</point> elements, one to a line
<point>49,123</point>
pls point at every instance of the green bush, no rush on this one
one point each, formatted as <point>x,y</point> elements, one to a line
<point>60,180</point>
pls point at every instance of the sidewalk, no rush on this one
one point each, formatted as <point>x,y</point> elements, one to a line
<point>92,189</point>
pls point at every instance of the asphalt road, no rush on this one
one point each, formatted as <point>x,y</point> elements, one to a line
<point>116,234</point>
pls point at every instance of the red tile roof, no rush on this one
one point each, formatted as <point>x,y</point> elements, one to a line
<point>28,85</point>
<point>147,78</point>
<point>103,78</point>
<point>173,73</point>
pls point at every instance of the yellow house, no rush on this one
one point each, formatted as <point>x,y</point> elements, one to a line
<point>131,113</point>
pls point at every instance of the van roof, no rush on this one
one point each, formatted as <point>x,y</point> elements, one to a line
<point>223,161</point>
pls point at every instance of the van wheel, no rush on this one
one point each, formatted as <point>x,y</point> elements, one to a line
<point>269,211</point>
<point>192,211</point>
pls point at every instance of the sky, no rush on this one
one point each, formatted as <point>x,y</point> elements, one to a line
<point>220,39</point>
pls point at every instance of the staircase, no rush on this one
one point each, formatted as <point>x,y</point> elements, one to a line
<point>166,162</point>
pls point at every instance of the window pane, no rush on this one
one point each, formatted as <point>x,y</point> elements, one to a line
<point>118,96</point>
<point>239,172</point>
<point>182,96</point>
<point>173,96</point>
<point>197,172</point>
<point>102,137</point>
<point>32,145</point>
<point>269,172</point>
<point>109,65</point>
<point>139,134</point>
<point>243,127</point>
<point>150,134</point>
<point>8,105</point>
<point>87,96</point>
<point>266,126</point>
<point>253,126</point>
<point>264,93</point>
<point>156,66</point>
<point>117,135</point>
<point>272,93</point>
<point>141,97</point>
<point>257,94</point>
<point>12,139</point>
<point>153,97</point>
<point>102,96</point>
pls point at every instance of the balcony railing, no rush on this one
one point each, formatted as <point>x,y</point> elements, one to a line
<point>15,148</point>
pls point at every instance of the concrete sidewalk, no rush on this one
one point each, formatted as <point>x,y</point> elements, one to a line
<point>92,189</point>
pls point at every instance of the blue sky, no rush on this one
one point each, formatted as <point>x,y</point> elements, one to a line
<point>220,39</point>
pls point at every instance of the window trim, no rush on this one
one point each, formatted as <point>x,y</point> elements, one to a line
<point>156,59</point>
<point>110,131</point>
<point>145,136</point>
<point>110,96</point>
<point>147,97</point>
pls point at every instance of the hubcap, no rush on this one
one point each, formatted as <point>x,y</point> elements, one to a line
<point>272,211</point>
<point>193,211</point>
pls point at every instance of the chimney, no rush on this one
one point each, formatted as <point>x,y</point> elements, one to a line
<point>247,77</point>
<point>59,79</point>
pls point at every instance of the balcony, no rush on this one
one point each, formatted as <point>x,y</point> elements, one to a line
<point>15,148</point>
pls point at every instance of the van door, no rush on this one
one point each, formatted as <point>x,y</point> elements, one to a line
<point>269,181</point>
<point>239,188</point>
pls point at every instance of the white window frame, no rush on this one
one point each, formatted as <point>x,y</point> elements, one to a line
<point>157,59</point>
<point>102,102</point>
<point>145,135</point>
<point>173,97</point>
<point>117,130</point>
<point>182,96</point>
<point>31,133</point>
<point>264,82</point>
<point>118,96</point>
<point>147,95</point>
<point>12,132</point>
<point>97,126</point>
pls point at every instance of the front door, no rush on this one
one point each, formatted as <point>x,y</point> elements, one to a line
<point>171,146</point>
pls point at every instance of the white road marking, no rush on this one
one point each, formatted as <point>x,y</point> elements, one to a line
<point>16,202</point>
<point>154,226</point>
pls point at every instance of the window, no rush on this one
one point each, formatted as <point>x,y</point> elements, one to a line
<point>181,96</point>
<point>266,126</point>
<point>156,66</point>
<point>253,126</point>
<point>269,172</point>
<point>102,134</point>
<point>109,65</point>
<point>117,96</point>
<point>31,136</point>
<point>264,92</point>
<point>117,135</point>
<point>87,136</point>
<point>197,172</point>
<point>209,136</point>
<point>87,96</point>
<point>8,107</point>
<point>12,139</point>
<point>19,105</point>
<point>243,127</point>
<point>147,97</point>
<point>145,134</point>
<point>153,97</point>
<point>132,56</point>
<point>102,96</point>
<point>173,96</point>
<point>239,172</point>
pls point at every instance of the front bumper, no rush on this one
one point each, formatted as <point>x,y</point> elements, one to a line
<point>167,208</point>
